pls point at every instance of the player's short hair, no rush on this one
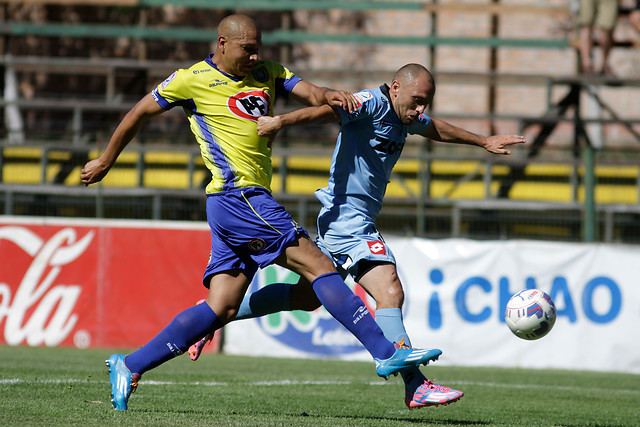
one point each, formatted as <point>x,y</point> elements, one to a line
<point>411,71</point>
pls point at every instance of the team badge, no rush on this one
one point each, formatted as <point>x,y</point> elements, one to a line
<point>256,245</point>
<point>249,105</point>
<point>260,74</point>
<point>377,247</point>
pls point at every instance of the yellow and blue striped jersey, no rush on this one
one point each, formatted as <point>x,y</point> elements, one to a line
<point>223,111</point>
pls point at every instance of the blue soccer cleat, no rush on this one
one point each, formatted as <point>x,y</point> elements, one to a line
<point>122,381</point>
<point>405,357</point>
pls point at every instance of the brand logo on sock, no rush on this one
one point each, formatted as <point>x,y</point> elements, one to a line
<point>359,314</point>
<point>174,349</point>
<point>377,247</point>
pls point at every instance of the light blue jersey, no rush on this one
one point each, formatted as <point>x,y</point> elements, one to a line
<point>369,145</point>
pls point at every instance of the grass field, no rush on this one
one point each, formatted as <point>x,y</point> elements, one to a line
<point>62,386</point>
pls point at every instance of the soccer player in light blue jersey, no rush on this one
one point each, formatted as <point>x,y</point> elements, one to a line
<point>223,98</point>
<point>370,143</point>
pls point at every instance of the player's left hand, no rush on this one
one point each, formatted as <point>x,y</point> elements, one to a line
<point>496,144</point>
<point>342,98</point>
<point>269,125</point>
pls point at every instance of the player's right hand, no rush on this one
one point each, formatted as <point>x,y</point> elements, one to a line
<point>93,172</point>
<point>344,99</point>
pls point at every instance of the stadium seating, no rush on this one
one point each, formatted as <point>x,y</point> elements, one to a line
<point>143,41</point>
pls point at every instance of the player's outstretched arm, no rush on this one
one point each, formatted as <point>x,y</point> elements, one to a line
<point>309,94</point>
<point>95,170</point>
<point>446,132</point>
<point>269,126</point>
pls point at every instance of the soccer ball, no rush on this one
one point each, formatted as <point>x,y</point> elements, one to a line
<point>530,314</point>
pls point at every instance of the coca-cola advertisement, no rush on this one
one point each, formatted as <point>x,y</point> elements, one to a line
<point>96,283</point>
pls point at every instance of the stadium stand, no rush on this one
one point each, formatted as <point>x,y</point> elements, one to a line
<point>80,65</point>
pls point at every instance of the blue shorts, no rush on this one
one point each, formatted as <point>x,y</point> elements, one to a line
<point>249,229</point>
<point>349,240</point>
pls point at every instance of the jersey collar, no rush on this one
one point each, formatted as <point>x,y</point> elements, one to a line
<point>384,88</point>
<point>209,61</point>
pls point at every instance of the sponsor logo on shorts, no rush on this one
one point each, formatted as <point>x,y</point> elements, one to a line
<point>256,245</point>
<point>377,247</point>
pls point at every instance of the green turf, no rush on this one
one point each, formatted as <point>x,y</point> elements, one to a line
<point>58,386</point>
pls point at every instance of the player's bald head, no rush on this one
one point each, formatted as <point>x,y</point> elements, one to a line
<point>238,45</point>
<point>237,26</point>
<point>411,92</point>
<point>412,73</point>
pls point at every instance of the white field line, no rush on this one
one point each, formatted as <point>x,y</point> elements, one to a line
<point>297,382</point>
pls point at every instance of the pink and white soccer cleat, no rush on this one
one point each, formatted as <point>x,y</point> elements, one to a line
<point>431,394</point>
<point>196,349</point>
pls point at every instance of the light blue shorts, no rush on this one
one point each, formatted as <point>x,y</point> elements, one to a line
<point>351,240</point>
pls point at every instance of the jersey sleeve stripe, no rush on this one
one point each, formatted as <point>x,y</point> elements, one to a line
<point>188,104</point>
<point>164,104</point>
<point>289,83</point>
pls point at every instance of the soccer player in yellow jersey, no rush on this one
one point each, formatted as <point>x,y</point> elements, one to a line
<point>223,96</point>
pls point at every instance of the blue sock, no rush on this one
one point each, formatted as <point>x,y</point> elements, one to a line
<point>390,321</point>
<point>349,310</point>
<point>184,330</point>
<point>270,299</point>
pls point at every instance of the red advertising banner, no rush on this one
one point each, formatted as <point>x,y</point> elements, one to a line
<point>96,283</point>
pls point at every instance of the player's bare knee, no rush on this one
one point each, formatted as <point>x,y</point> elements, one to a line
<point>317,267</point>
<point>324,265</point>
<point>228,314</point>
<point>391,297</point>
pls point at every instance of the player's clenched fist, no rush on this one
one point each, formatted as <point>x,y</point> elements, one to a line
<point>268,126</point>
<point>93,172</point>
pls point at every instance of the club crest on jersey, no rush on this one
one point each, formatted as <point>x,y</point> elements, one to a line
<point>260,74</point>
<point>256,245</point>
<point>377,247</point>
<point>249,105</point>
<point>167,80</point>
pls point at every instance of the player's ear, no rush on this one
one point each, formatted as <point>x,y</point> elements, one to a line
<point>222,41</point>
<point>395,85</point>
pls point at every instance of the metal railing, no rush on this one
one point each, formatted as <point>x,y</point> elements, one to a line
<point>413,206</point>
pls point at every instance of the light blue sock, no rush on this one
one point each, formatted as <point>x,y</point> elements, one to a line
<point>270,299</point>
<point>390,321</point>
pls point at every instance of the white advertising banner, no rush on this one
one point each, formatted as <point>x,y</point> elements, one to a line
<point>456,291</point>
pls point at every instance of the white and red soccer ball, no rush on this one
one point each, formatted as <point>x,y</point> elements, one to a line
<point>530,314</point>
